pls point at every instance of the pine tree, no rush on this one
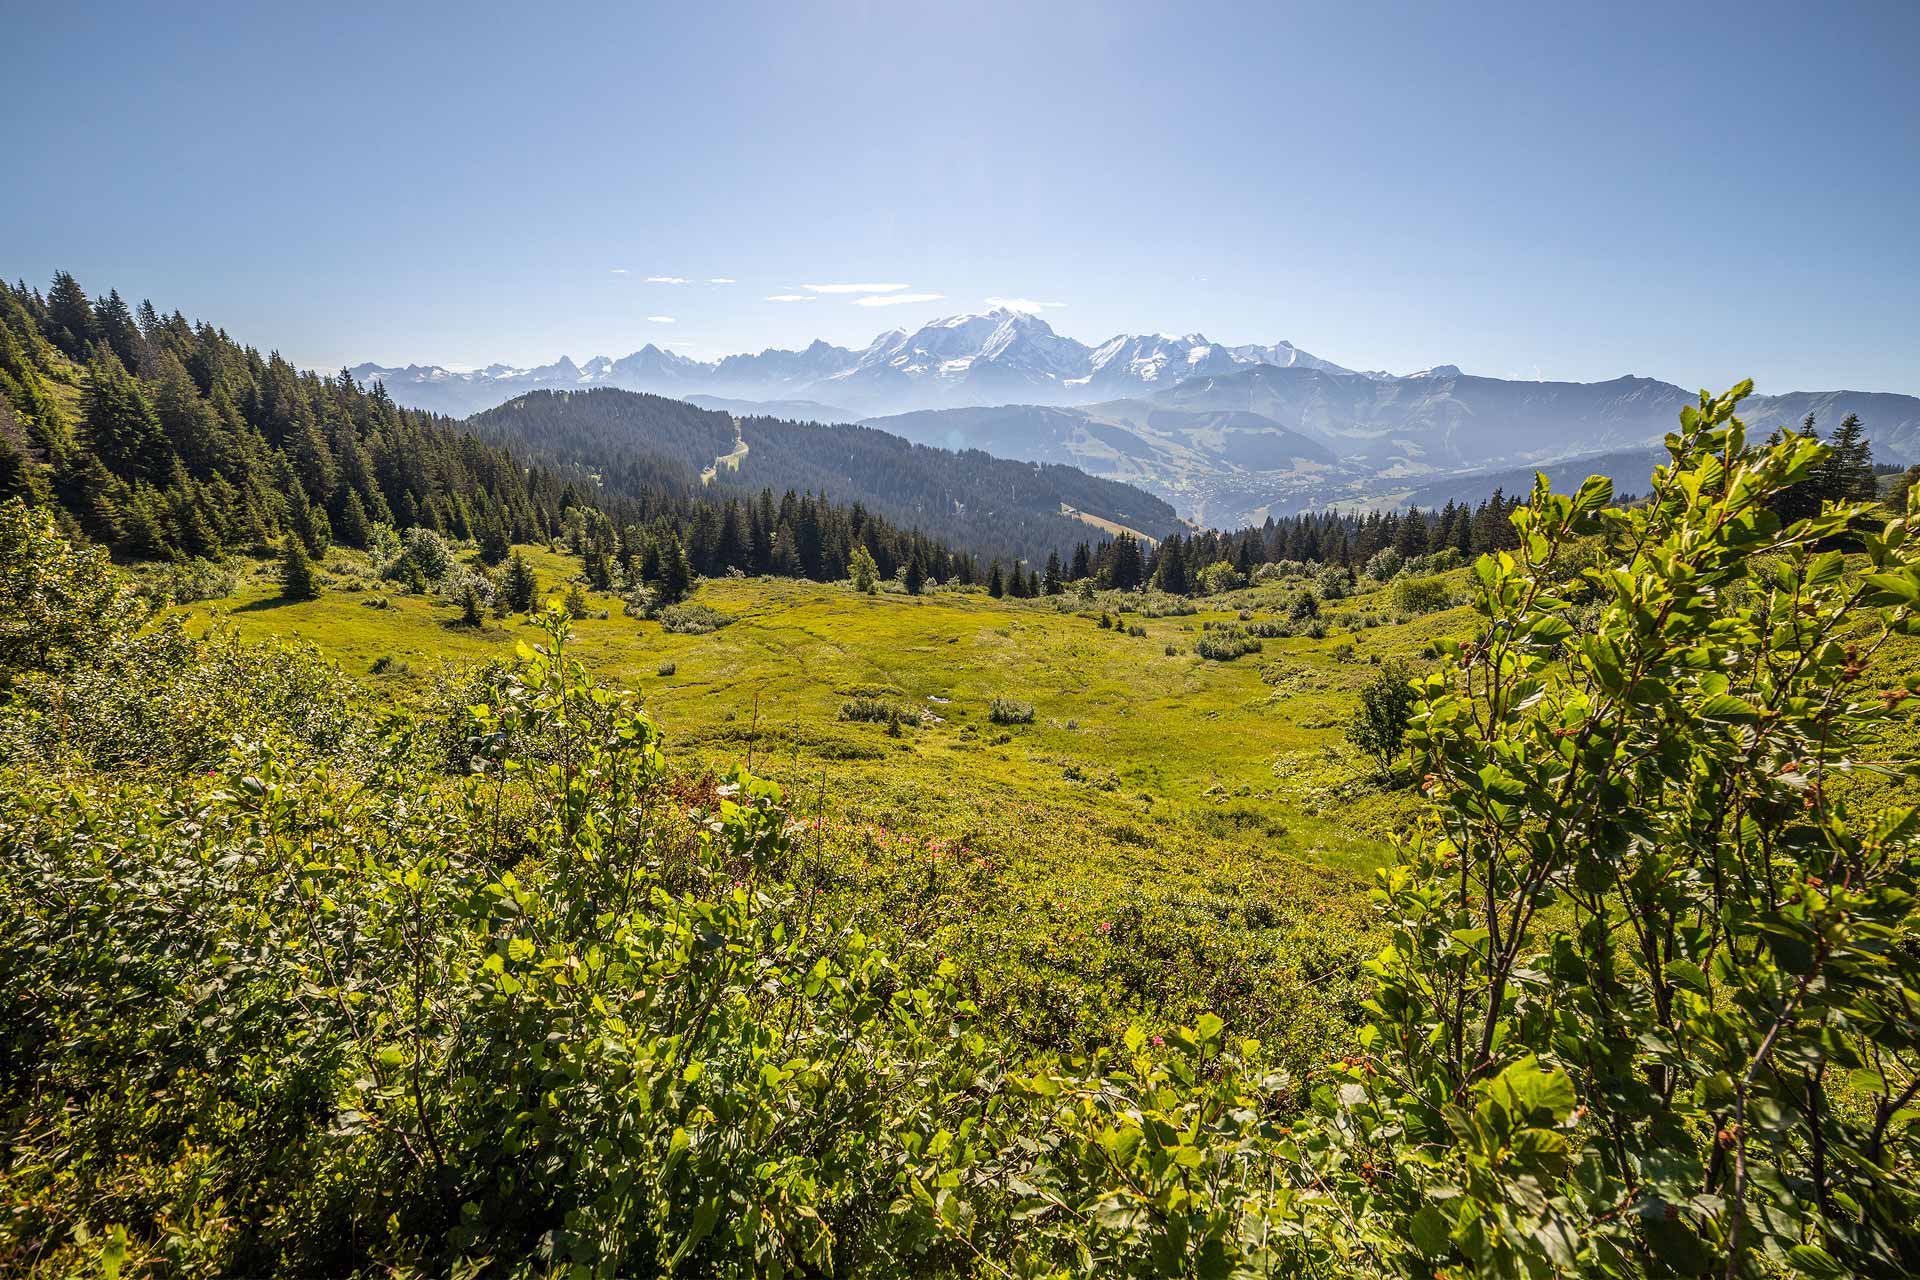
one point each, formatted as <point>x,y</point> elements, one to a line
<point>676,574</point>
<point>996,587</point>
<point>1846,475</point>
<point>1082,563</point>
<point>1052,585</point>
<point>69,317</point>
<point>297,578</point>
<point>1411,540</point>
<point>1174,579</point>
<point>521,587</point>
<point>916,578</point>
<point>493,539</point>
<point>353,529</point>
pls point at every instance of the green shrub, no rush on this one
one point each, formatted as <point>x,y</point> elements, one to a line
<point>1421,595</point>
<point>1010,711</point>
<point>1225,643</point>
<point>1378,726</point>
<point>692,619</point>
<point>870,711</point>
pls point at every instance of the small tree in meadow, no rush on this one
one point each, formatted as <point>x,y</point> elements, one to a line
<point>520,586</point>
<point>297,578</point>
<point>1379,723</point>
<point>863,570</point>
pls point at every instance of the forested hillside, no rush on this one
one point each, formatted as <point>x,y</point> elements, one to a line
<point>993,507</point>
<point>165,439</point>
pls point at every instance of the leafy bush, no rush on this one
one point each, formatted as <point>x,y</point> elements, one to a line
<point>426,552</point>
<point>1421,595</point>
<point>1010,711</point>
<point>1646,999</point>
<point>1384,563</point>
<point>187,581</point>
<point>692,619</point>
<point>1218,577</point>
<point>867,710</point>
<point>1379,724</point>
<point>1225,643</point>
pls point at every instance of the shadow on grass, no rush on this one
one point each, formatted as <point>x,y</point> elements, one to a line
<point>271,602</point>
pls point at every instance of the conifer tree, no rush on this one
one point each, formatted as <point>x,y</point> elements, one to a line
<point>521,586</point>
<point>916,576</point>
<point>353,529</point>
<point>1052,585</point>
<point>297,578</point>
<point>996,587</point>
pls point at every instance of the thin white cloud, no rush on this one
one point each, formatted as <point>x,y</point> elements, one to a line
<point>895,299</point>
<point>722,280</point>
<point>663,320</point>
<point>854,288</point>
<point>789,297</point>
<point>619,271</point>
<point>666,279</point>
<point>1023,304</point>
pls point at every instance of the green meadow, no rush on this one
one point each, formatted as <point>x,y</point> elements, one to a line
<point>1167,833</point>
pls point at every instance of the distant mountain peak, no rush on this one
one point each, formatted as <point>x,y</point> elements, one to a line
<point>995,356</point>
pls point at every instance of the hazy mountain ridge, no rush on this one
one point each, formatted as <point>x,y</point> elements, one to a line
<point>994,505</point>
<point>957,360</point>
<point>1234,448</point>
<point>1147,409</point>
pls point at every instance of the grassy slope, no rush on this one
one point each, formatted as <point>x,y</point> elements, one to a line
<point>1214,805</point>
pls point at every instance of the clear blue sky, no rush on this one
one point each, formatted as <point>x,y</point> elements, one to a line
<point>1690,191</point>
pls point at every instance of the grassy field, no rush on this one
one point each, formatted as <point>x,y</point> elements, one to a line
<point>1169,831</point>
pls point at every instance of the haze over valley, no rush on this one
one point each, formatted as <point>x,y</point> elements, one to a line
<point>1228,434</point>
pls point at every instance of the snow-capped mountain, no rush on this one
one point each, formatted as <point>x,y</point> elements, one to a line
<point>989,358</point>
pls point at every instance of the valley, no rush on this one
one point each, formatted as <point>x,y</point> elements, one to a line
<point>1230,435</point>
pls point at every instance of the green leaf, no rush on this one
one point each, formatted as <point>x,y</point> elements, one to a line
<point>1431,1233</point>
<point>1595,492</point>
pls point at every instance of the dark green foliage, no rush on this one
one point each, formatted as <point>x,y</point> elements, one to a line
<point>1225,643</point>
<point>1379,724</point>
<point>520,586</point>
<point>297,578</point>
<point>472,610</point>
<point>193,445</point>
<point>1010,711</point>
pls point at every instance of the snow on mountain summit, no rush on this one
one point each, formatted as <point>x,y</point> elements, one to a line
<point>995,356</point>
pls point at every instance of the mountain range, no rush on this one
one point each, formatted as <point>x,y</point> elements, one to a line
<point>1000,355</point>
<point>1228,434</point>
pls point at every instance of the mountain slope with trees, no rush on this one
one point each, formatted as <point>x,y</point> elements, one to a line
<point>991,506</point>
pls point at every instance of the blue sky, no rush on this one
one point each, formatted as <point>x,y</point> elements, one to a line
<point>1694,192</point>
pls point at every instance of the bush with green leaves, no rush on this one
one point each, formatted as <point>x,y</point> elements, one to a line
<point>864,709</point>
<point>1378,725</point>
<point>1009,711</point>
<point>1384,563</point>
<point>1225,643</point>
<point>425,558</point>
<point>1421,595</point>
<point>692,619</point>
<point>1648,1005</point>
